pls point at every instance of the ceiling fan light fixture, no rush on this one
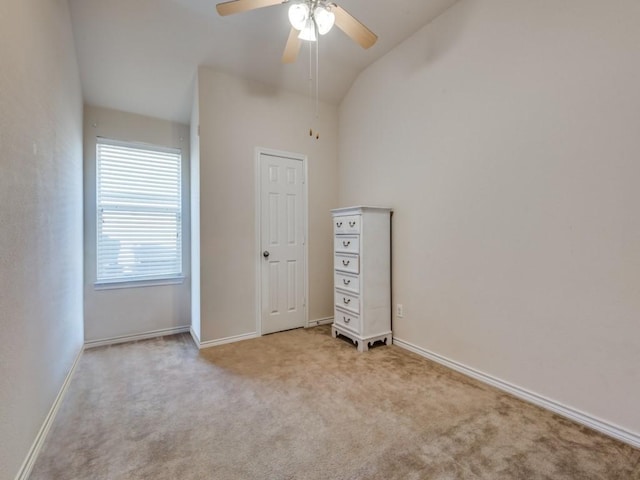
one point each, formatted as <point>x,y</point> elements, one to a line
<point>298,15</point>
<point>324,19</point>
<point>308,33</point>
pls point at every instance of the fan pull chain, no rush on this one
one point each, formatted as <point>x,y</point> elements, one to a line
<point>317,72</point>
<point>310,69</point>
<point>317,76</point>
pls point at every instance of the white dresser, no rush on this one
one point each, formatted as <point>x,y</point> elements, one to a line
<point>362,275</point>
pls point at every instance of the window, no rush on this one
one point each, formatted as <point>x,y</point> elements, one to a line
<point>139,213</point>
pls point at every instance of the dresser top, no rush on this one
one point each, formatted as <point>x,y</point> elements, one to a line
<point>359,209</point>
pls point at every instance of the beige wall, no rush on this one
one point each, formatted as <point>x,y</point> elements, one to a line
<point>130,311</point>
<point>236,116</point>
<point>194,179</point>
<point>40,218</point>
<point>505,135</point>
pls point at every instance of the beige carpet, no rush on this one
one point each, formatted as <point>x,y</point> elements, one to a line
<point>301,405</point>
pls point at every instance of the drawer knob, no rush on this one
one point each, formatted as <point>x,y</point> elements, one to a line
<point>338,224</point>
<point>345,281</point>
<point>346,301</point>
<point>346,243</point>
<point>352,224</point>
<point>346,319</point>
<point>346,262</point>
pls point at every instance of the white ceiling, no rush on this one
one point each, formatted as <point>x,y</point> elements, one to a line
<point>141,56</point>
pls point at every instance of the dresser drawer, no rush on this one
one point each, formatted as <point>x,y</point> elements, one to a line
<point>346,243</point>
<point>347,320</point>
<point>350,283</point>
<point>346,224</point>
<point>346,263</point>
<point>348,301</point>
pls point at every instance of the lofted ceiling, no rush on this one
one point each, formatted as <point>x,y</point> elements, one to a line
<point>142,56</point>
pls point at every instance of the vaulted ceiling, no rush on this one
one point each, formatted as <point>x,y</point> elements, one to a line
<point>142,56</point>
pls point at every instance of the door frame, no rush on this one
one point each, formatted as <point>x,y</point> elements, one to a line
<point>259,151</point>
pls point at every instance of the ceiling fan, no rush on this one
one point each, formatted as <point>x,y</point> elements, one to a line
<point>308,18</point>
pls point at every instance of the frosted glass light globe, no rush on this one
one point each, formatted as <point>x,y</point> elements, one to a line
<point>309,31</point>
<point>324,19</point>
<point>298,15</point>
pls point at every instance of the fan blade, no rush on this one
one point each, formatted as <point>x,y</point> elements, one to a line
<point>292,48</point>
<point>239,6</point>
<point>353,28</point>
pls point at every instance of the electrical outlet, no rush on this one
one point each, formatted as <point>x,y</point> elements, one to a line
<point>399,311</point>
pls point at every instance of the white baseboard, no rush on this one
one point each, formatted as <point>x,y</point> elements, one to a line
<point>320,321</point>
<point>34,451</point>
<point>137,336</point>
<point>195,337</point>
<point>223,341</point>
<point>583,418</point>
<point>247,336</point>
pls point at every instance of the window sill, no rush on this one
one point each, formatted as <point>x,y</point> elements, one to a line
<point>117,284</point>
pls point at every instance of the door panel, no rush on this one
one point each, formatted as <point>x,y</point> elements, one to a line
<point>282,220</point>
<point>274,268</point>
<point>272,222</point>
<point>292,283</point>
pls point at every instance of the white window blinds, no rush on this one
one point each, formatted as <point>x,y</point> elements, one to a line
<point>139,212</point>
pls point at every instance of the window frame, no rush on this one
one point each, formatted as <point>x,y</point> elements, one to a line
<point>138,281</point>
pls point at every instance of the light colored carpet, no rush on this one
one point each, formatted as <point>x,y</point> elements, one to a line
<point>302,405</point>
